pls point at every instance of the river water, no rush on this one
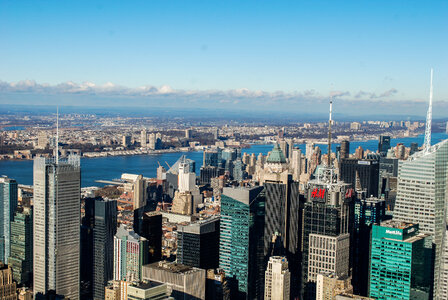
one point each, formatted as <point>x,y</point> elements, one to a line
<point>108,168</point>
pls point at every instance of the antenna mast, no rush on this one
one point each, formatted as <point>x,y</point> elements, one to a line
<point>428,120</point>
<point>329,133</point>
<point>57,134</point>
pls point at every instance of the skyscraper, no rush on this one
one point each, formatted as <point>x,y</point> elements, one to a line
<point>328,211</point>
<point>21,256</point>
<point>7,285</point>
<point>368,170</point>
<point>198,244</point>
<point>401,262</point>
<point>277,279</point>
<point>103,245</point>
<point>383,144</point>
<point>151,229</point>
<point>56,226</point>
<point>241,244</point>
<point>8,205</point>
<point>367,212</point>
<point>130,254</point>
<point>421,195</point>
<point>345,149</point>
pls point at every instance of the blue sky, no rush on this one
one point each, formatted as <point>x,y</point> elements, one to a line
<point>222,51</point>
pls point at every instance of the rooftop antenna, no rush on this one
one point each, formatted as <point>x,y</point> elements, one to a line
<point>329,133</point>
<point>427,144</point>
<point>57,135</point>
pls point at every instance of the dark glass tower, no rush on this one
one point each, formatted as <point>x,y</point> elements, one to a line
<point>327,211</point>
<point>241,240</point>
<point>198,244</point>
<point>151,229</point>
<point>282,219</point>
<point>104,230</point>
<point>21,255</point>
<point>368,170</point>
<point>383,144</point>
<point>367,213</point>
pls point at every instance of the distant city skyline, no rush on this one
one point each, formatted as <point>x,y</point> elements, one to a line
<point>248,55</point>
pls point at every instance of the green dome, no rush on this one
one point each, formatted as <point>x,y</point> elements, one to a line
<point>276,156</point>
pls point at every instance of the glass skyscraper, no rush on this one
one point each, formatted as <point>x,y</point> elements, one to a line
<point>421,196</point>
<point>21,256</point>
<point>56,224</point>
<point>241,238</point>
<point>8,205</point>
<point>400,262</point>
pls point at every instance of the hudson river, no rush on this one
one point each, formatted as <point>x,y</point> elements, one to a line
<point>108,168</point>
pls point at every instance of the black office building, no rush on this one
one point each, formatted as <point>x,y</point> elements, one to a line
<point>150,227</point>
<point>283,220</point>
<point>367,212</point>
<point>368,171</point>
<point>345,149</point>
<point>104,229</point>
<point>198,244</point>
<point>327,211</point>
<point>383,144</point>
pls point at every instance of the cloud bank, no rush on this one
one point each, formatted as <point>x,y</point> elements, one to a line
<point>306,101</point>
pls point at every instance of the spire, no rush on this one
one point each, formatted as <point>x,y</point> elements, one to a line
<point>427,144</point>
<point>358,186</point>
<point>329,133</point>
<point>57,135</point>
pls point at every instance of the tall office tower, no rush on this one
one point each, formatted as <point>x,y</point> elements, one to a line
<point>151,229</point>
<point>328,254</point>
<point>367,212</point>
<point>228,155</point>
<point>86,259</point>
<point>400,262</point>
<point>130,254</point>
<point>238,170</point>
<point>282,212</point>
<point>7,285</point>
<point>296,164</point>
<point>328,211</point>
<point>277,279</point>
<point>216,286</point>
<point>103,245</point>
<point>359,153</point>
<point>185,282</point>
<point>368,170</point>
<point>21,256</point>
<point>241,242</point>
<point>383,144</point>
<point>444,269</point>
<point>345,149</point>
<point>421,195</point>
<point>210,158</point>
<point>330,285</point>
<point>8,205</point>
<point>198,244</point>
<point>187,133</point>
<point>387,185</point>
<point>56,255</point>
